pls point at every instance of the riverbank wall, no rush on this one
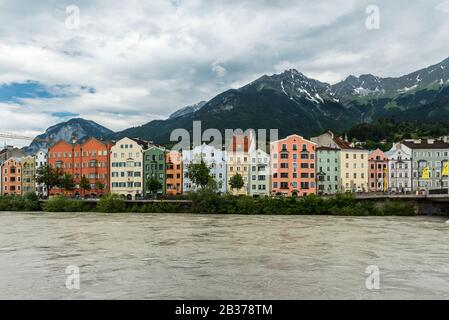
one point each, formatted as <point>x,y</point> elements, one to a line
<point>343,205</point>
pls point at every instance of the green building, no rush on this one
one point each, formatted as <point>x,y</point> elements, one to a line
<point>328,170</point>
<point>154,167</point>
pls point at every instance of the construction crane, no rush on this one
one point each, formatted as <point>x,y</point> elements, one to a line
<point>6,135</point>
<point>12,136</point>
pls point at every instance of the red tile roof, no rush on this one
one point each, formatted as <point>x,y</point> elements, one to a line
<point>342,144</point>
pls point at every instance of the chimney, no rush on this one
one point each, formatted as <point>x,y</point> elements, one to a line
<point>417,141</point>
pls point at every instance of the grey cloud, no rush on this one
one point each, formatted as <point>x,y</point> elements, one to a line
<point>145,59</point>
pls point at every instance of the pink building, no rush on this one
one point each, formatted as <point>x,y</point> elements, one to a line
<point>377,171</point>
<point>293,170</point>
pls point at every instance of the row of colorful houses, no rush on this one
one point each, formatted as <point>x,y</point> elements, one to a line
<point>294,166</point>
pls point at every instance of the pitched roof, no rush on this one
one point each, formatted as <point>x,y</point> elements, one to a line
<point>342,143</point>
<point>425,144</point>
<point>14,159</point>
<point>103,142</point>
<point>153,146</point>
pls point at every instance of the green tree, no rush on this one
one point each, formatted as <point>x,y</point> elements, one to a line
<point>100,185</point>
<point>67,183</point>
<point>48,176</point>
<point>199,173</point>
<point>236,181</point>
<point>84,184</point>
<point>154,185</point>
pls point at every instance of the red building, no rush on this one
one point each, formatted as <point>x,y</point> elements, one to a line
<point>377,175</point>
<point>89,159</point>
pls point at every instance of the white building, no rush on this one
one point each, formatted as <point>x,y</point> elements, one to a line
<point>127,168</point>
<point>40,159</point>
<point>259,173</point>
<point>213,157</point>
<point>399,168</point>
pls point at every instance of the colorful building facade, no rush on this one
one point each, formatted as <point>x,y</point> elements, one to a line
<point>61,157</point>
<point>12,177</point>
<point>354,169</point>
<point>237,162</point>
<point>173,173</point>
<point>41,161</point>
<point>377,171</point>
<point>127,168</point>
<point>353,162</point>
<point>154,167</point>
<point>259,174</point>
<point>328,171</point>
<point>293,171</point>
<point>399,168</point>
<point>28,174</point>
<point>214,158</point>
<point>429,158</point>
<point>95,166</point>
<point>89,159</point>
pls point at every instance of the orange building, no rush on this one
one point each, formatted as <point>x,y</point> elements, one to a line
<point>12,177</point>
<point>377,171</point>
<point>60,156</point>
<point>173,173</point>
<point>293,166</point>
<point>89,159</point>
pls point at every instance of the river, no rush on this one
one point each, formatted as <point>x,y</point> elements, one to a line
<point>183,256</point>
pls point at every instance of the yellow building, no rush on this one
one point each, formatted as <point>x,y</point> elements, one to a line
<point>237,162</point>
<point>28,174</point>
<point>127,168</point>
<point>354,170</point>
<point>353,162</point>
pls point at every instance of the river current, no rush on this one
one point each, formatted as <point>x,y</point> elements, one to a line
<point>185,256</point>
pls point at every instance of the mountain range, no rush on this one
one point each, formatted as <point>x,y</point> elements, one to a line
<point>75,128</point>
<point>295,103</point>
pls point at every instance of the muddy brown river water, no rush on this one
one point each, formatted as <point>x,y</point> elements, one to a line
<point>177,256</point>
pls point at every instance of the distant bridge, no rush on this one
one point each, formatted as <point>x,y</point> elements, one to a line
<point>434,204</point>
<point>432,197</point>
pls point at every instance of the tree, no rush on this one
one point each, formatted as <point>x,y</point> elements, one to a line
<point>84,184</point>
<point>48,176</point>
<point>100,186</point>
<point>199,173</point>
<point>154,185</point>
<point>67,183</point>
<point>236,181</point>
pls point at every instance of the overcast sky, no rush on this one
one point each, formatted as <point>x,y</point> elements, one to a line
<point>128,62</point>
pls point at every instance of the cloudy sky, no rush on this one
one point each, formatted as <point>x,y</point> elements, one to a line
<point>128,62</point>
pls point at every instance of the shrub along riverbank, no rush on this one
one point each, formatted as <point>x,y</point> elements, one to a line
<point>209,203</point>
